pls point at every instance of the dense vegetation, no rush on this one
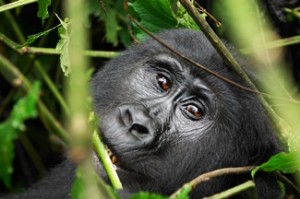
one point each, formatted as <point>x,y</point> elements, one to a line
<point>49,50</point>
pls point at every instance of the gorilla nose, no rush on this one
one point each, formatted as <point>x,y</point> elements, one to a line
<point>140,125</point>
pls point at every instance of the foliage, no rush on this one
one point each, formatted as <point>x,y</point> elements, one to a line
<point>63,46</point>
<point>156,16</point>
<point>43,9</point>
<point>284,162</point>
<point>48,33</point>
<point>24,109</point>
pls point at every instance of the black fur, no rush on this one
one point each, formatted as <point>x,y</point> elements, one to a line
<point>233,131</point>
<point>159,142</point>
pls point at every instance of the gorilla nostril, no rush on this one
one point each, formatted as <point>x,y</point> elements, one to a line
<point>126,116</point>
<point>138,129</point>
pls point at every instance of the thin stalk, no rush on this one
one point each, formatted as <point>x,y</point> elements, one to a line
<point>233,191</point>
<point>106,162</point>
<point>53,51</point>
<point>14,25</point>
<point>32,153</point>
<point>77,94</point>
<point>40,69</point>
<point>16,4</point>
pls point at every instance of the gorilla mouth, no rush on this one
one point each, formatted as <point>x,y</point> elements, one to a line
<point>117,164</point>
<point>112,157</point>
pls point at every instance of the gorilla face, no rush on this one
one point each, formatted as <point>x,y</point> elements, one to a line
<point>168,121</point>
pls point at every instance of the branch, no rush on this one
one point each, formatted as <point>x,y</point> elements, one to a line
<point>233,191</point>
<point>52,51</point>
<point>212,174</point>
<point>15,4</point>
<point>103,156</point>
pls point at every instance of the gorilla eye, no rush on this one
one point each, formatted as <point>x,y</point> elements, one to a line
<point>163,82</point>
<point>195,112</point>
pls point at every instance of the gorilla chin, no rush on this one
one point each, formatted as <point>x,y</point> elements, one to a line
<point>167,122</point>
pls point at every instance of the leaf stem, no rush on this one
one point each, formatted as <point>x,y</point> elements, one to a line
<point>212,174</point>
<point>233,191</point>
<point>106,162</point>
<point>53,51</point>
<point>16,4</point>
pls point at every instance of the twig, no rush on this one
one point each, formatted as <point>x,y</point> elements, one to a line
<point>288,182</point>
<point>275,44</point>
<point>106,162</point>
<point>52,51</point>
<point>233,191</point>
<point>212,174</point>
<point>213,38</point>
<point>202,10</point>
<point>15,4</point>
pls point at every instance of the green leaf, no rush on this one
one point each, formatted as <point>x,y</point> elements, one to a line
<point>32,38</point>
<point>63,45</point>
<point>155,15</point>
<point>77,191</point>
<point>184,193</point>
<point>111,27</point>
<point>43,9</point>
<point>284,162</point>
<point>146,195</point>
<point>24,109</point>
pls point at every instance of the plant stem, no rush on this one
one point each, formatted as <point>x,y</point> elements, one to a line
<point>32,153</point>
<point>233,191</point>
<point>77,94</point>
<point>53,51</point>
<point>105,160</point>
<point>276,44</point>
<point>16,4</point>
<point>212,174</point>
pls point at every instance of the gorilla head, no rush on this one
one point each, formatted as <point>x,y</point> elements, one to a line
<point>168,121</point>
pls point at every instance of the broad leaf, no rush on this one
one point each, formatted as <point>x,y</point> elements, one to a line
<point>24,109</point>
<point>284,162</point>
<point>155,15</point>
<point>43,9</point>
<point>111,27</point>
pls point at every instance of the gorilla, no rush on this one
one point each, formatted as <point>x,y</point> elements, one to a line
<point>167,121</point>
